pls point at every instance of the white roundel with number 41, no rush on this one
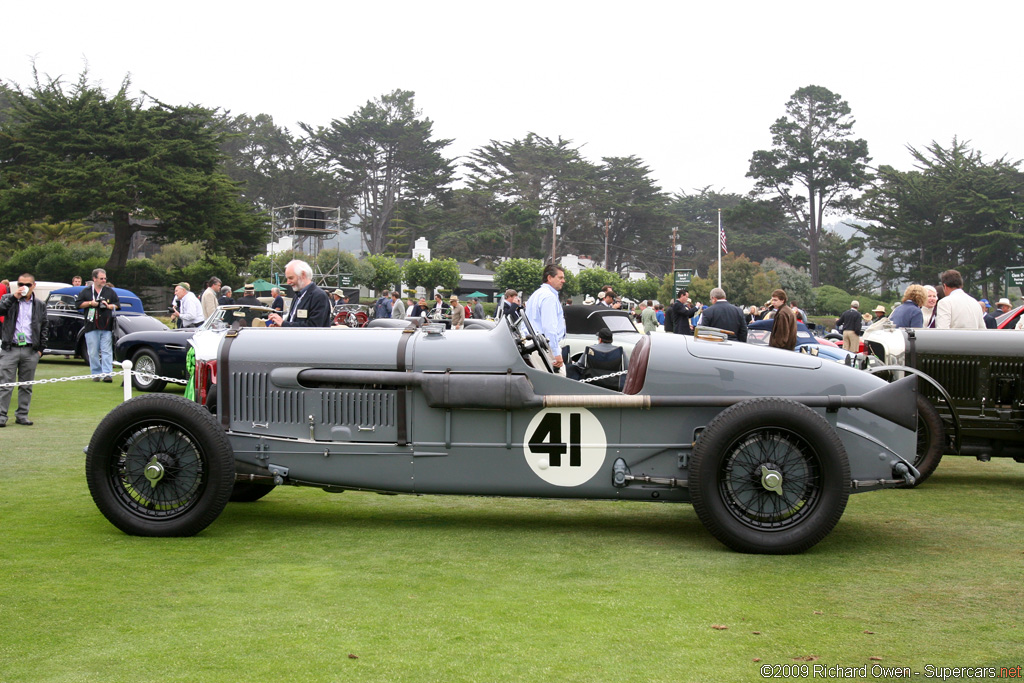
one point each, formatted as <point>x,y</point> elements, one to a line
<point>565,446</point>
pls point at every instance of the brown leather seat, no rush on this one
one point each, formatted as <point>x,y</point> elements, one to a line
<point>638,366</point>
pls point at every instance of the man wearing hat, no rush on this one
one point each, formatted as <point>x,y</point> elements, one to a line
<point>189,311</point>
<point>458,313</point>
<point>249,296</point>
<point>599,360</point>
<point>990,320</point>
<point>1004,305</point>
<point>879,312</point>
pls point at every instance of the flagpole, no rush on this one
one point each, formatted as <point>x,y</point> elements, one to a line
<point>719,247</point>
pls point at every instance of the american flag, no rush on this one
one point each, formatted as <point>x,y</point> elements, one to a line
<point>725,250</point>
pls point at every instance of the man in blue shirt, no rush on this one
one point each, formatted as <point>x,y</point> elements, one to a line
<point>544,309</point>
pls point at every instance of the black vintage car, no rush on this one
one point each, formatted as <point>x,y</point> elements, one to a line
<point>67,323</point>
<point>976,404</point>
<point>163,352</point>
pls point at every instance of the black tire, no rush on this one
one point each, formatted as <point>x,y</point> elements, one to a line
<point>931,439</point>
<point>738,454</point>
<point>163,436</point>
<point>249,491</point>
<point>144,360</point>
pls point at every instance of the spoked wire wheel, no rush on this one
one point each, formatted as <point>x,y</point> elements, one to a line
<point>160,465</point>
<point>771,479</point>
<point>769,476</point>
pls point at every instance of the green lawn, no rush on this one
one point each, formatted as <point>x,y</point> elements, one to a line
<point>309,586</point>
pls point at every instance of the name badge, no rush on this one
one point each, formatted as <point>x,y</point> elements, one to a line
<point>302,314</point>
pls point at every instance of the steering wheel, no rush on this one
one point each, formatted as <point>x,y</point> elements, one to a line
<point>540,345</point>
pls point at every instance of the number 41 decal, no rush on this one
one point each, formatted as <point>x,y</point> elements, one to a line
<point>547,438</point>
<point>555,450</point>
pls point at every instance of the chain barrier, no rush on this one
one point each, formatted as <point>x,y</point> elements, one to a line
<point>610,374</point>
<point>79,378</point>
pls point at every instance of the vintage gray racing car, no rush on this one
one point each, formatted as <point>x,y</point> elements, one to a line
<point>766,444</point>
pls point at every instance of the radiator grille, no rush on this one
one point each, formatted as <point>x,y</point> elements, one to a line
<point>960,377</point>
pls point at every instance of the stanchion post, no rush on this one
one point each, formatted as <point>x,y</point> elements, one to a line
<point>126,365</point>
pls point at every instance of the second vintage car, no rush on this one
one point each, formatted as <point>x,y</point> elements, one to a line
<point>973,403</point>
<point>163,352</point>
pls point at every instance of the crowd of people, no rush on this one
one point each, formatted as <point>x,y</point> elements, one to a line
<point>24,327</point>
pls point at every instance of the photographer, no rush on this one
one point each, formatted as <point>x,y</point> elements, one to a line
<point>98,302</point>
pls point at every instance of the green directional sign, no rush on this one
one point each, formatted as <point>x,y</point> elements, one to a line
<point>344,279</point>
<point>1015,277</point>
<point>682,277</point>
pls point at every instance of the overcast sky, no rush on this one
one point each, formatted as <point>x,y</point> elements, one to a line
<point>690,88</point>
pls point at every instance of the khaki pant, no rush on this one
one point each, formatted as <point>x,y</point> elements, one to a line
<point>851,341</point>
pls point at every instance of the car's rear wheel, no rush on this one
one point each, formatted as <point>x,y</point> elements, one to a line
<point>769,476</point>
<point>931,439</point>
<point>145,368</point>
<point>160,465</point>
<point>248,492</point>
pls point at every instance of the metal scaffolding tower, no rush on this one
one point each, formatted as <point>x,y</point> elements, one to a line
<point>308,227</point>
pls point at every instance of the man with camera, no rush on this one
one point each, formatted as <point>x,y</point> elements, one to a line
<point>23,337</point>
<point>98,302</point>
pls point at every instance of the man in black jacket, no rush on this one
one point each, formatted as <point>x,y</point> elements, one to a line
<point>22,337</point>
<point>682,314</point>
<point>725,316</point>
<point>850,323</point>
<point>311,307</point>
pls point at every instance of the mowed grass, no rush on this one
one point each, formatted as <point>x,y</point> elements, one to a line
<point>309,586</point>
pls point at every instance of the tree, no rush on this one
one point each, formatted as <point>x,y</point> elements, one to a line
<point>437,273</point>
<point>333,262</point>
<point>630,214</point>
<point>545,181</point>
<point>756,228</point>
<point>840,261</point>
<point>591,280</point>
<point>955,209</point>
<point>387,274</point>
<point>639,290</point>
<point>520,274</point>
<point>385,157</point>
<point>79,154</point>
<point>814,166</point>
<point>274,167</point>
<point>795,281</point>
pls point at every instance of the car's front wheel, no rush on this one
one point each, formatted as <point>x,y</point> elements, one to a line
<point>769,476</point>
<point>160,465</point>
<point>145,368</point>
